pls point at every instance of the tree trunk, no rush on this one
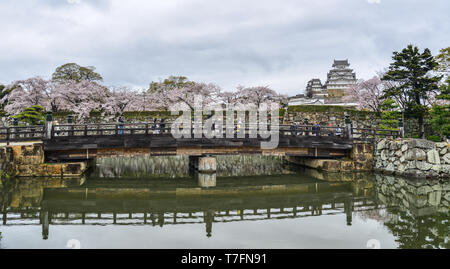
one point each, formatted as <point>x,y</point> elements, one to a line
<point>422,127</point>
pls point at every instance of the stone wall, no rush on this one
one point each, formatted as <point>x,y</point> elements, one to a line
<point>250,165</point>
<point>29,161</point>
<point>145,166</point>
<point>413,158</point>
<point>334,115</point>
<point>142,166</point>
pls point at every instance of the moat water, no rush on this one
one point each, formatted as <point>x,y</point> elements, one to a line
<point>304,209</point>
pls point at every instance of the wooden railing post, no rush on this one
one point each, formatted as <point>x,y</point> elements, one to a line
<point>49,125</point>
<point>401,128</point>
<point>85,130</point>
<point>7,135</point>
<point>70,122</point>
<point>306,128</point>
<point>348,124</point>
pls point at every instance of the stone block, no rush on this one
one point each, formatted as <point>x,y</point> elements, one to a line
<point>415,155</point>
<point>447,196</point>
<point>433,157</point>
<point>207,164</point>
<point>424,166</point>
<point>434,198</point>
<point>411,165</point>
<point>390,167</point>
<point>441,145</point>
<point>404,147</point>
<point>424,190</point>
<point>420,143</point>
<point>401,168</point>
<point>381,144</point>
<point>446,158</point>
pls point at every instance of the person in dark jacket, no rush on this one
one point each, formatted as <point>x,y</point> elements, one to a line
<point>292,128</point>
<point>162,125</point>
<point>317,129</point>
<point>120,120</point>
<point>314,129</point>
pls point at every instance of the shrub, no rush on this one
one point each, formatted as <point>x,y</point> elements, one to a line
<point>434,138</point>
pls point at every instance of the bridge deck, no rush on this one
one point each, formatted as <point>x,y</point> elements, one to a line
<point>76,147</point>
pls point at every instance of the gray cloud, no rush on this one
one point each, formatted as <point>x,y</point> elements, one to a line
<point>281,44</point>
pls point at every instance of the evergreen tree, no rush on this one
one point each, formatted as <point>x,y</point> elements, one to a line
<point>34,115</point>
<point>75,72</point>
<point>389,115</point>
<point>441,112</point>
<point>413,84</point>
<point>170,83</point>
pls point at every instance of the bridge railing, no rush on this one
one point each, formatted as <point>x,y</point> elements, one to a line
<point>30,133</point>
<point>22,133</point>
<point>149,129</point>
<point>368,134</point>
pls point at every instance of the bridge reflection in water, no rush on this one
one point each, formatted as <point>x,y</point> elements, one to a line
<point>182,202</point>
<point>411,218</point>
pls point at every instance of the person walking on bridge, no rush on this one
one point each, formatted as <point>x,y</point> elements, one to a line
<point>120,120</point>
<point>317,129</point>
<point>292,128</point>
<point>338,131</point>
<point>162,125</point>
<point>155,126</point>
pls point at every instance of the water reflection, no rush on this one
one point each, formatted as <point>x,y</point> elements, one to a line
<point>210,200</point>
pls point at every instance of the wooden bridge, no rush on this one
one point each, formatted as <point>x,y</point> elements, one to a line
<point>80,142</point>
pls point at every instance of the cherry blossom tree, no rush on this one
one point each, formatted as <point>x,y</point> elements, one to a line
<point>82,97</point>
<point>121,99</point>
<point>167,96</point>
<point>367,93</point>
<point>34,91</point>
<point>257,95</point>
<point>230,98</point>
<point>187,94</point>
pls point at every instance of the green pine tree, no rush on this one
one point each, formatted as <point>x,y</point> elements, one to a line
<point>440,120</point>
<point>34,115</point>
<point>410,73</point>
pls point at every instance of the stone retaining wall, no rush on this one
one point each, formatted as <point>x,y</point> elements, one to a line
<point>416,158</point>
<point>145,166</point>
<point>28,161</point>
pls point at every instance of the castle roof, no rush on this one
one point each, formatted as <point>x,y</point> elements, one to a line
<point>340,63</point>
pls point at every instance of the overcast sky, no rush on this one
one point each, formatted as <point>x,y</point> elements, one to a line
<point>281,44</point>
